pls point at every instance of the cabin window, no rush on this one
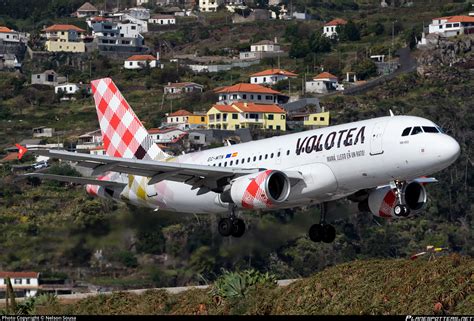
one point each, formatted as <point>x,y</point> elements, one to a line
<point>231,162</point>
<point>271,155</point>
<point>237,162</point>
<point>278,155</point>
<point>416,130</point>
<point>260,157</point>
<point>406,131</point>
<point>225,164</point>
<point>248,160</point>
<point>266,156</point>
<point>254,158</point>
<point>287,152</point>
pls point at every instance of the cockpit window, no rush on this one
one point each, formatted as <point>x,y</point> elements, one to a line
<point>429,129</point>
<point>406,131</point>
<point>416,130</point>
<point>440,129</point>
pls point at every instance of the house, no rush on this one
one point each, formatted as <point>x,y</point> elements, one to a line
<point>48,78</point>
<point>209,5</point>
<point>182,88</point>
<point>67,38</point>
<point>166,135</point>
<point>250,93</point>
<point>8,35</point>
<point>142,61</point>
<point>311,120</point>
<point>162,19</point>
<point>67,88</point>
<point>322,83</point>
<point>330,28</point>
<point>262,49</point>
<point>43,131</point>
<point>271,76</point>
<point>452,25</point>
<point>184,119</point>
<point>86,10</point>
<point>24,284</point>
<point>116,36</point>
<point>9,62</point>
<point>246,115</point>
<point>89,140</point>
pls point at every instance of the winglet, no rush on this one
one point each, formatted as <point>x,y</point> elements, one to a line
<point>21,150</point>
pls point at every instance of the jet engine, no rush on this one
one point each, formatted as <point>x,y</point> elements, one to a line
<point>265,189</point>
<point>383,201</point>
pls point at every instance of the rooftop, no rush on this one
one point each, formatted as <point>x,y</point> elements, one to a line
<point>141,58</point>
<point>270,72</point>
<point>336,22</point>
<point>325,75</point>
<point>5,29</point>
<point>249,107</point>
<point>182,84</point>
<point>19,275</point>
<point>248,88</point>
<point>87,7</point>
<point>180,112</point>
<point>163,130</point>
<point>60,27</point>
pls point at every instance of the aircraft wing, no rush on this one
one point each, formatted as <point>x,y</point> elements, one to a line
<point>195,175</point>
<point>77,180</point>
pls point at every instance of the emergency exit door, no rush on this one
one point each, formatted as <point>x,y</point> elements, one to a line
<point>376,138</point>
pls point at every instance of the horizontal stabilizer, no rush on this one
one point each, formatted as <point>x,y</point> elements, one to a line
<point>77,180</point>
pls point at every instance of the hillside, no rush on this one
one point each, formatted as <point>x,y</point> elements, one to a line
<point>440,286</point>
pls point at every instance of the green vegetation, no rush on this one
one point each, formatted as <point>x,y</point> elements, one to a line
<point>440,286</point>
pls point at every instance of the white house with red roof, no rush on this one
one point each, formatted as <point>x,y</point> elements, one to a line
<point>8,35</point>
<point>184,119</point>
<point>271,76</point>
<point>244,92</point>
<point>329,29</point>
<point>452,25</point>
<point>323,83</point>
<point>24,284</point>
<point>142,61</point>
<point>178,88</point>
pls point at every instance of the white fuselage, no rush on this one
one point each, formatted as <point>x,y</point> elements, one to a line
<point>334,161</point>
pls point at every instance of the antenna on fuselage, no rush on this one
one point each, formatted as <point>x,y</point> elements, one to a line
<point>391,113</point>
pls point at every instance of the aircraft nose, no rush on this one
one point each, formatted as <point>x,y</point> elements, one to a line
<point>448,150</point>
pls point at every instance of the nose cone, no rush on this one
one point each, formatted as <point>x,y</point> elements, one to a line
<point>447,150</point>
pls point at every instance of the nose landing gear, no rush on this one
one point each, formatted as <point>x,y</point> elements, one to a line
<point>231,226</point>
<point>401,209</point>
<point>322,232</point>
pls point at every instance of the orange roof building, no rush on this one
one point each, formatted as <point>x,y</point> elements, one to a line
<point>141,58</point>
<point>9,35</point>
<point>255,93</point>
<point>271,76</point>
<point>247,115</point>
<point>329,29</point>
<point>452,25</point>
<point>325,75</point>
<point>62,27</point>
<point>5,29</point>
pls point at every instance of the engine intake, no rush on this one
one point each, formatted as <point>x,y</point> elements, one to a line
<point>382,200</point>
<point>265,189</point>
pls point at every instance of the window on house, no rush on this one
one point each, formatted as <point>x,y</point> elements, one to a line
<point>259,97</point>
<point>282,117</point>
<point>440,26</point>
<point>264,79</point>
<point>27,281</point>
<point>17,281</point>
<point>321,118</point>
<point>220,164</point>
<point>243,160</point>
<point>270,126</point>
<point>278,127</point>
<point>203,119</point>
<point>270,117</point>
<point>224,117</point>
<point>269,97</point>
<point>235,116</point>
<point>218,116</point>
<point>134,27</point>
<point>244,96</point>
<point>251,97</point>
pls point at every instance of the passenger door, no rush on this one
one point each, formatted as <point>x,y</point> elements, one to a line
<point>376,138</point>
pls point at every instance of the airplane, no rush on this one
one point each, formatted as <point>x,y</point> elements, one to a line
<point>380,163</point>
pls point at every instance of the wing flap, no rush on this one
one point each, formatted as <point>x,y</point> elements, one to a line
<point>74,179</point>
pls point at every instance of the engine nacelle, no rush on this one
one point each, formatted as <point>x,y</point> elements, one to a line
<point>265,189</point>
<point>382,200</point>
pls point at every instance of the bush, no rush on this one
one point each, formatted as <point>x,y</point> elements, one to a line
<point>237,284</point>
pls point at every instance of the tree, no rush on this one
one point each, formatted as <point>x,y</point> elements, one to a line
<point>377,28</point>
<point>364,68</point>
<point>349,31</point>
<point>319,43</point>
<point>299,49</point>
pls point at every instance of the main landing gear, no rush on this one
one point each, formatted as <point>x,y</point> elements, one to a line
<point>231,225</point>
<point>322,232</point>
<point>401,209</point>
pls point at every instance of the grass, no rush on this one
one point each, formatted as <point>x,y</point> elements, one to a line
<point>360,287</point>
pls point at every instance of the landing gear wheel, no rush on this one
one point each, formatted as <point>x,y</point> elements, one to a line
<point>401,210</point>
<point>316,233</point>
<point>238,228</point>
<point>225,226</point>
<point>329,233</point>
